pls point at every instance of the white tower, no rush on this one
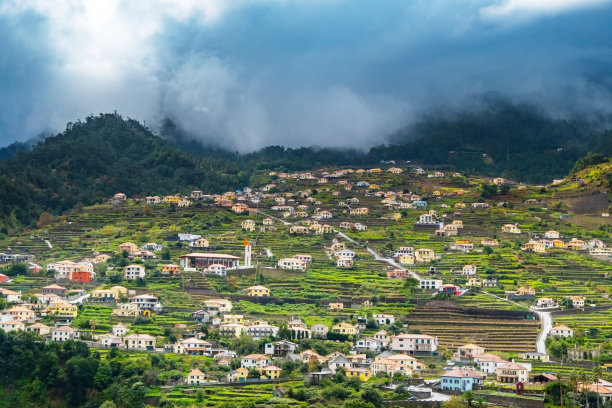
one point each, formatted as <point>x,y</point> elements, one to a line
<point>247,254</point>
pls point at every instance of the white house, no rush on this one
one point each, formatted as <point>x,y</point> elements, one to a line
<point>383,319</point>
<point>345,262</point>
<point>63,333</point>
<point>415,344</point>
<point>119,330</point>
<point>133,272</point>
<point>192,346</point>
<point>551,234</point>
<point>370,343</point>
<point>262,330</point>
<point>216,269</point>
<point>292,264</point>
<point>147,302</point>
<point>110,340</point>
<point>12,325</point>
<point>428,284</point>
<point>345,253</point>
<point>10,296</point>
<point>561,331</point>
<point>488,363</point>
<point>139,342</point>
<point>255,361</point>
<point>469,270</point>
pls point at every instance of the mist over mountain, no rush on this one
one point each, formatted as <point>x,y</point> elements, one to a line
<point>243,75</point>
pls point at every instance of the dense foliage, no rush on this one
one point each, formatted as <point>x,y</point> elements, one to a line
<point>34,373</point>
<point>501,139</point>
<point>95,159</point>
<point>105,154</point>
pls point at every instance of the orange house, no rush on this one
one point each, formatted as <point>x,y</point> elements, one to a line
<point>81,276</point>
<point>171,269</point>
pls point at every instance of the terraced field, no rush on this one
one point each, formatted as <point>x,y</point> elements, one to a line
<point>601,320</point>
<point>456,327</point>
<point>215,396</point>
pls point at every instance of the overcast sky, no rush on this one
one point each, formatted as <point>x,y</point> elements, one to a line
<point>250,73</point>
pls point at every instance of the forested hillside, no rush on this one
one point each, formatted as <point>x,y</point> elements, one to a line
<point>94,159</point>
<point>105,154</point>
<point>502,139</point>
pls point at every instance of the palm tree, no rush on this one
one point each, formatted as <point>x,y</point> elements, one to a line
<point>585,388</point>
<point>596,378</point>
<point>573,383</point>
<point>560,388</point>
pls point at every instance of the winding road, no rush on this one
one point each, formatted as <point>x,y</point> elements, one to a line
<point>546,326</point>
<point>378,256</point>
<point>544,317</point>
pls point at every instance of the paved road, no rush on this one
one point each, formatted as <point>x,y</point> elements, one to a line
<point>378,256</point>
<point>80,299</point>
<point>274,217</point>
<point>546,321</point>
<point>48,243</point>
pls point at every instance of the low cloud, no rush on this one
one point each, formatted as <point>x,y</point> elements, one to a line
<point>245,74</point>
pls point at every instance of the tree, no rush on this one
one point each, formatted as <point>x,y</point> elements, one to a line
<point>554,392</point>
<point>103,376</point>
<point>410,284</point>
<point>44,219</point>
<point>372,396</point>
<point>487,250</point>
<point>165,255</point>
<point>488,190</point>
<point>469,397</point>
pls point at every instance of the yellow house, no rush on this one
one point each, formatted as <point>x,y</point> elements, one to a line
<point>257,291</point>
<point>344,328</point>
<point>233,319</point>
<point>511,229</point>
<point>374,187</point>
<point>407,259</point>
<point>335,306</point>
<point>393,216</point>
<point>62,309</point>
<point>103,295</point>
<point>240,208</point>
<point>172,199</point>
<point>128,247</point>
<point>359,211</point>
<point>327,229</point>
<point>363,374</point>
<point>271,372</point>
<point>557,243</point>
<point>195,377</point>
<point>238,375</point>
<point>424,255</point>
<point>248,225</point>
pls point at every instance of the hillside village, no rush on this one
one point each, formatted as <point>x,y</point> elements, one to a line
<point>425,284</point>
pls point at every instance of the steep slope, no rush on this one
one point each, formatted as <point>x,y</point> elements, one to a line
<point>498,139</point>
<point>94,159</point>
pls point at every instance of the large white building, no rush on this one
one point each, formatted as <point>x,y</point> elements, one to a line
<point>414,344</point>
